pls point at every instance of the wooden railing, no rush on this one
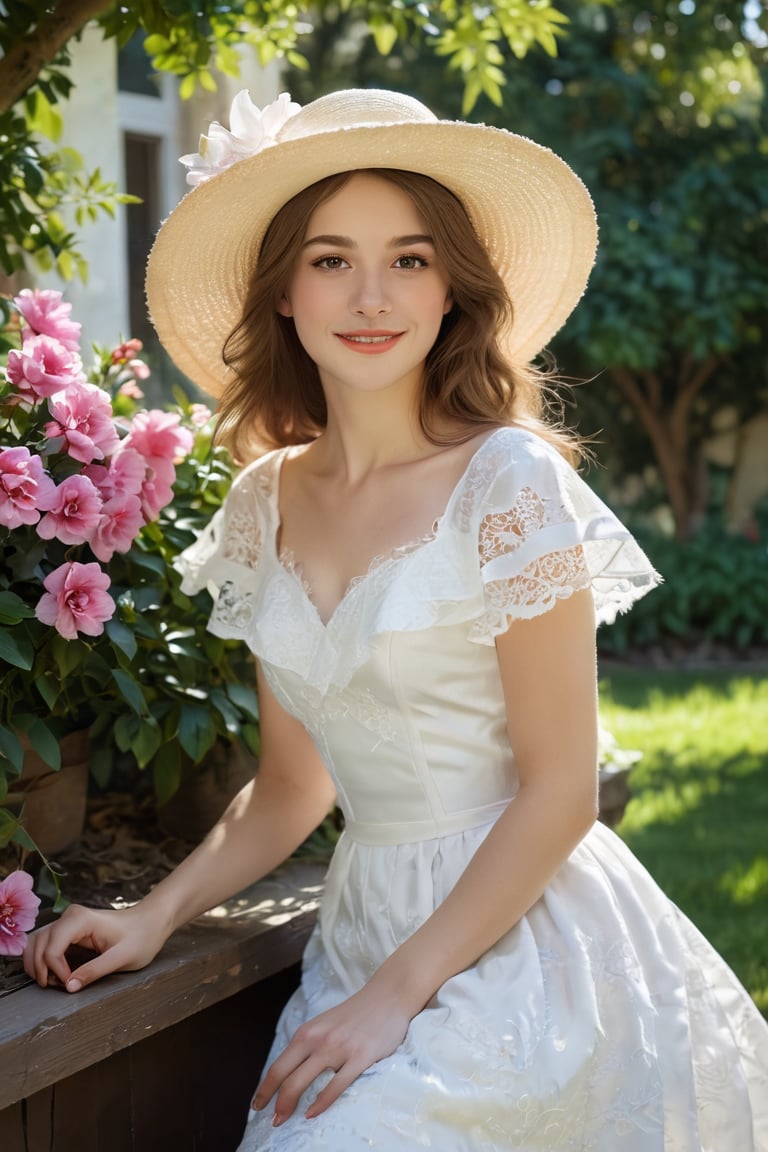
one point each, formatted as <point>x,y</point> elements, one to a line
<point>166,1059</point>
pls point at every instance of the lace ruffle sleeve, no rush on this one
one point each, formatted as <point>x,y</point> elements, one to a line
<point>543,534</point>
<point>229,550</point>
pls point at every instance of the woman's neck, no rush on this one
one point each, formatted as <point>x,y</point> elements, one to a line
<point>368,432</point>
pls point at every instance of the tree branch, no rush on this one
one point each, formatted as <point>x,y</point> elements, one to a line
<point>672,465</point>
<point>24,61</point>
<point>689,390</point>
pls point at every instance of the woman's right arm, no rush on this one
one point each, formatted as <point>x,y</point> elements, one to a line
<point>289,796</point>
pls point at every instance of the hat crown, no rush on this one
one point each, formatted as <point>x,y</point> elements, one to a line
<point>355,108</point>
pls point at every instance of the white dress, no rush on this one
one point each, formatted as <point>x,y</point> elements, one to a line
<point>602,1021</point>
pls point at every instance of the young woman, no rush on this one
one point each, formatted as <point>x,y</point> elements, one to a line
<point>419,569</point>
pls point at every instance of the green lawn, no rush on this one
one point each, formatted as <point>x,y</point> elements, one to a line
<point>698,817</point>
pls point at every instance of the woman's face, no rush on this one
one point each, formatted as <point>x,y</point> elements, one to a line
<point>367,294</point>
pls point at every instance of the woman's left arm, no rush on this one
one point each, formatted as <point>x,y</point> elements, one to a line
<point>548,673</point>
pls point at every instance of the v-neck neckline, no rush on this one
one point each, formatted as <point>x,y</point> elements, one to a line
<point>284,559</point>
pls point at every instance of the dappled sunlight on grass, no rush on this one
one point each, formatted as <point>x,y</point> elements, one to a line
<point>698,817</point>
<point>747,885</point>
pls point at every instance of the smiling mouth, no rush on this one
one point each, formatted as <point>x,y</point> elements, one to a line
<point>368,338</point>
<point>369,343</point>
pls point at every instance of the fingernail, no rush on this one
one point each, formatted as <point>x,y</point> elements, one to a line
<point>73,985</point>
<point>277,1120</point>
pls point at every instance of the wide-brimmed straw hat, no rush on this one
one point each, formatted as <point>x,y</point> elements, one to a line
<point>529,209</point>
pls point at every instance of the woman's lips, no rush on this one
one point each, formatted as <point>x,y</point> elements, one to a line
<point>369,343</point>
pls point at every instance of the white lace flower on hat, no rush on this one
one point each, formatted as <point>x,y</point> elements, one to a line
<point>251,129</point>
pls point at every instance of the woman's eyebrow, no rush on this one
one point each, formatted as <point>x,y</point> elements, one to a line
<point>348,242</point>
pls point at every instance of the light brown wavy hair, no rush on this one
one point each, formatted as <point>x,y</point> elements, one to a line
<point>275,397</point>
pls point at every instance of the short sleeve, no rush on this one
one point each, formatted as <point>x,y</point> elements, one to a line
<point>228,551</point>
<point>543,534</point>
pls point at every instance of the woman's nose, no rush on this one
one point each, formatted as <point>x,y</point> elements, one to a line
<point>369,296</point>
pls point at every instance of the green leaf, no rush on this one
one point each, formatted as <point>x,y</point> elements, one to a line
<point>9,826</point>
<point>11,748</point>
<point>251,736</point>
<point>154,45</point>
<point>125,730</point>
<point>67,655</point>
<point>101,763</point>
<point>130,691</point>
<point>146,742</point>
<point>17,651</point>
<point>13,608</point>
<point>166,772</point>
<point>197,732</point>
<point>384,36</point>
<point>245,699</point>
<point>122,637</point>
<point>42,739</point>
<point>41,116</point>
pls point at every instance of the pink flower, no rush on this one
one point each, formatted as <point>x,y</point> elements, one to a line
<point>47,314</point>
<point>159,437</point>
<point>82,414</point>
<point>131,389</point>
<point>73,511</point>
<point>24,486</point>
<point>121,521</point>
<point>44,366</point>
<point>18,911</point>
<point>124,476</point>
<point>140,369</point>
<point>157,490</point>
<point>199,414</point>
<point>76,600</point>
<point>126,351</point>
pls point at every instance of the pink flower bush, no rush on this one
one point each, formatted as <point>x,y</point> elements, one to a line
<point>91,604</point>
<point>18,912</point>
<point>72,477</point>
<point>76,600</point>
<point>24,487</point>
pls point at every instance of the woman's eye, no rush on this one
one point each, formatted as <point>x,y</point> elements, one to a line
<point>329,263</point>
<point>410,261</point>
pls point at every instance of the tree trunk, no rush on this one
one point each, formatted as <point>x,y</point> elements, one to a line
<point>668,429</point>
<point>25,60</point>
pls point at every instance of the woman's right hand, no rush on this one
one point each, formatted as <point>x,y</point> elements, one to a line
<point>124,941</point>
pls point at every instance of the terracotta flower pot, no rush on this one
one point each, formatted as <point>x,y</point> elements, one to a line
<point>205,791</point>
<point>54,802</point>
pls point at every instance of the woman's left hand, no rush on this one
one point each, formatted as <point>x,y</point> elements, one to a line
<point>346,1039</point>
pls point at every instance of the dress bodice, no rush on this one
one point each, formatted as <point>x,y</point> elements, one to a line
<point>400,687</point>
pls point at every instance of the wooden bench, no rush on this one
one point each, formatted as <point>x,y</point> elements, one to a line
<point>166,1059</point>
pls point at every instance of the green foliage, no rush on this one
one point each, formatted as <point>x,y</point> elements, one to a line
<point>194,40</point>
<point>195,688</point>
<point>715,591</point>
<point>38,186</point>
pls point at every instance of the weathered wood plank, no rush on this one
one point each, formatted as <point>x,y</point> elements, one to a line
<point>187,1088</point>
<point>12,1130</point>
<point>46,1035</point>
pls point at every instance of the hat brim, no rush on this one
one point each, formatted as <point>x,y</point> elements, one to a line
<point>527,206</point>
